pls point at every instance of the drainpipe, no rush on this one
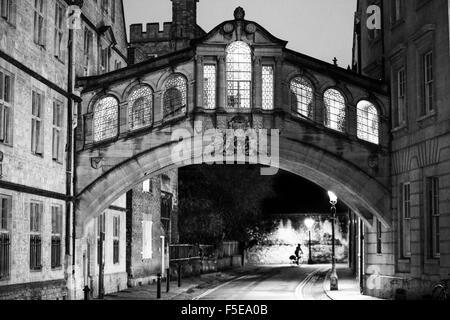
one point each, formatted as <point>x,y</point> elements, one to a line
<point>383,44</point>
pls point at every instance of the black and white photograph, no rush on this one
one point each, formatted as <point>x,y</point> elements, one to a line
<point>215,156</point>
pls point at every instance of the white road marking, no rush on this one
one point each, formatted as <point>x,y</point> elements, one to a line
<point>219,287</point>
<point>299,290</point>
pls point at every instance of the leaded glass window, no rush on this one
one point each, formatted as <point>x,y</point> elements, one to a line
<point>239,75</point>
<point>140,108</point>
<point>367,122</point>
<point>175,97</point>
<point>302,97</point>
<point>105,119</point>
<point>209,86</point>
<point>334,110</point>
<point>267,87</point>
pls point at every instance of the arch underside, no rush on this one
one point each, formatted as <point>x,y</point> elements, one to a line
<point>366,196</point>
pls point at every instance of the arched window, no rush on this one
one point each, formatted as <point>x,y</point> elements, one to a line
<point>302,97</point>
<point>105,118</point>
<point>175,97</point>
<point>368,122</point>
<point>140,108</point>
<point>239,75</point>
<point>335,112</point>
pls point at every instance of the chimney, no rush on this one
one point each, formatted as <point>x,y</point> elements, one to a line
<point>184,19</point>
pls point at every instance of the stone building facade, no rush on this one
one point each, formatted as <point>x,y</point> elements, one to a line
<point>175,35</point>
<point>35,192</point>
<point>411,53</point>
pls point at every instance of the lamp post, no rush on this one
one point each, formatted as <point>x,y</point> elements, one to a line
<point>309,224</point>
<point>333,276</point>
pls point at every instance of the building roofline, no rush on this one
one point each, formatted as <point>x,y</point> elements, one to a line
<point>101,81</point>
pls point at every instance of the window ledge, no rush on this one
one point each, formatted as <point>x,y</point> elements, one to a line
<point>432,261</point>
<point>431,114</point>
<point>9,145</point>
<point>402,127</point>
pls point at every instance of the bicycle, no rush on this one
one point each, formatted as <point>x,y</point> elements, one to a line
<point>440,291</point>
<point>298,261</point>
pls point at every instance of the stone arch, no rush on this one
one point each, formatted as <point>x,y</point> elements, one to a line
<point>136,84</point>
<point>168,73</point>
<point>103,94</point>
<point>363,193</point>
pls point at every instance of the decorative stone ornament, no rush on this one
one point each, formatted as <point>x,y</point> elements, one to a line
<point>373,162</point>
<point>228,28</point>
<point>250,28</point>
<point>239,13</point>
<point>96,162</point>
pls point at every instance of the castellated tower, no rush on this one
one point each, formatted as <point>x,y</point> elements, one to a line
<point>174,36</point>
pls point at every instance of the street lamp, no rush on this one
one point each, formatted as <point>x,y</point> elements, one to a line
<point>333,276</point>
<point>309,222</point>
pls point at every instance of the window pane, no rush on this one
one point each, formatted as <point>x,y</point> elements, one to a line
<point>175,96</point>
<point>209,85</point>
<point>239,75</point>
<point>140,108</point>
<point>367,122</point>
<point>267,87</point>
<point>105,119</point>
<point>302,97</point>
<point>335,110</point>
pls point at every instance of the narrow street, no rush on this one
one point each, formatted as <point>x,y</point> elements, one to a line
<point>273,283</point>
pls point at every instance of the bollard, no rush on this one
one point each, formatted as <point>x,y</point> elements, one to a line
<point>86,291</point>
<point>179,275</point>
<point>168,280</point>
<point>158,287</point>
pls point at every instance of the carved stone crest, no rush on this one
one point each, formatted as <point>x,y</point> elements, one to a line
<point>96,162</point>
<point>239,123</point>
<point>373,162</point>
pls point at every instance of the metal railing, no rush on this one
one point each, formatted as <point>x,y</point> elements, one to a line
<point>179,252</point>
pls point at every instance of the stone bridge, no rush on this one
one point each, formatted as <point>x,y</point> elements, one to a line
<point>333,124</point>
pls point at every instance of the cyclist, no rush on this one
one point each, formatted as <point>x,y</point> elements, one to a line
<point>298,252</point>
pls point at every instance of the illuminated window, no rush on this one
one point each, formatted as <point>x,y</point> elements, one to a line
<point>368,122</point>
<point>267,87</point>
<point>209,85</point>
<point>334,110</point>
<point>140,108</point>
<point>302,97</point>
<point>105,119</point>
<point>239,75</point>
<point>175,97</point>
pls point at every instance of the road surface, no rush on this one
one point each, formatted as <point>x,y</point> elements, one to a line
<point>273,283</point>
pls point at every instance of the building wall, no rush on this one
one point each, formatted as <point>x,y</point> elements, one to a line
<point>420,146</point>
<point>27,177</point>
<point>172,36</point>
<point>146,206</point>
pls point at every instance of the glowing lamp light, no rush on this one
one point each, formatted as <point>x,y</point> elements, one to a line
<point>309,223</point>
<point>333,197</point>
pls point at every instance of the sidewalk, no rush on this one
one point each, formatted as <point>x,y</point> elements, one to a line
<point>348,286</point>
<point>190,287</point>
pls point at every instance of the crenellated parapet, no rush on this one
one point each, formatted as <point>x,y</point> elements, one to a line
<point>152,34</point>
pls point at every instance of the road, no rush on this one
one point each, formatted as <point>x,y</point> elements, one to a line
<point>273,283</point>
